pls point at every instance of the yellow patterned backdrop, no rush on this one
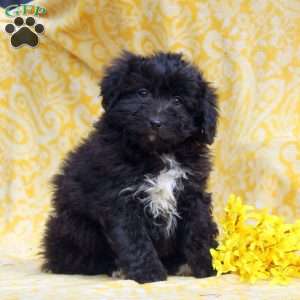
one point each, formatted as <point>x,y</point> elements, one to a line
<point>249,50</point>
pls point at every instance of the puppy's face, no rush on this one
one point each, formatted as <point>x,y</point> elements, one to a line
<point>159,101</point>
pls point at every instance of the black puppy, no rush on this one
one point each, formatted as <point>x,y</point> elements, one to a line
<point>132,196</point>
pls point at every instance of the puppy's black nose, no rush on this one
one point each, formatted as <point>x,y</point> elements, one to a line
<point>155,123</point>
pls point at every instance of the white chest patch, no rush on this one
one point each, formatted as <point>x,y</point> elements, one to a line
<point>161,192</point>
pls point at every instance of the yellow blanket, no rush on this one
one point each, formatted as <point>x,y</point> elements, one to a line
<point>49,99</point>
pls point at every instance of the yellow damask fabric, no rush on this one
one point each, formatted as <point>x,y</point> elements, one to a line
<point>249,50</point>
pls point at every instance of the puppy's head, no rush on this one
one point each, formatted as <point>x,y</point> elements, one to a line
<point>159,101</point>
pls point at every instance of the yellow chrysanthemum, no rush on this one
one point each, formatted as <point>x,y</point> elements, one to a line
<point>256,245</point>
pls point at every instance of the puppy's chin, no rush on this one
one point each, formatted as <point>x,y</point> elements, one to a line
<point>154,146</point>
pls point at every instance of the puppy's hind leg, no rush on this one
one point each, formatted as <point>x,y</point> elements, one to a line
<point>72,245</point>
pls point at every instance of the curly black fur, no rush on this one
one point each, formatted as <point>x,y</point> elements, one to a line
<point>154,106</point>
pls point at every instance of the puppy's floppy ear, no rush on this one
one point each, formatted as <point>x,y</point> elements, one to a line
<point>209,112</point>
<point>113,79</point>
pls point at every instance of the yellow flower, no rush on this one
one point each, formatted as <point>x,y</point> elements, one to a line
<point>256,245</point>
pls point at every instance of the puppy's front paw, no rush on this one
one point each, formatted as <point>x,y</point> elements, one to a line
<point>118,274</point>
<point>148,275</point>
<point>201,272</point>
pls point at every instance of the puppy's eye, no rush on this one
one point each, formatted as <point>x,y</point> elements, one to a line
<point>177,100</point>
<point>143,92</point>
